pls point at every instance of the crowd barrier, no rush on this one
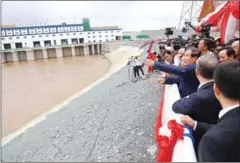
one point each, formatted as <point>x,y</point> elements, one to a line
<point>182,149</point>
<point>145,43</point>
<point>151,45</point>
<point>174,141</point>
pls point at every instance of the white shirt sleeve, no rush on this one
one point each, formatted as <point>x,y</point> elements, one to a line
<point>195,125</point>
<point>176,61</point>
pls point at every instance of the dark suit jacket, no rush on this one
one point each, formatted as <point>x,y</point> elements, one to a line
<point>221,142</point>
<point>201,106</point>
<point>186,78</point>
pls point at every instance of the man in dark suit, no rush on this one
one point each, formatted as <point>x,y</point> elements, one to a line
<point>221,142</point>
<point>185,75</point>
<point>201,105</point>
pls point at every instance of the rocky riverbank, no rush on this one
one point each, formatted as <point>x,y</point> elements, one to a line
<point>114,121</point>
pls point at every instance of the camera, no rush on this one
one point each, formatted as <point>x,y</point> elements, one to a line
<point>184,30</point>
<point>194,42</point>
<point>169,31</point>
<point>205,30</point>
<point>176,45</point>
<point>161,47</point>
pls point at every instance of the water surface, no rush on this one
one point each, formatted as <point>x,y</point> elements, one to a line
<point>33,87</point>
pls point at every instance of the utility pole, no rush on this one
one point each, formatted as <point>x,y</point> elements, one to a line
<point>190,12</point>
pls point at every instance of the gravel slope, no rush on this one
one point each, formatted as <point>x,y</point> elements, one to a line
<point>114,121</point>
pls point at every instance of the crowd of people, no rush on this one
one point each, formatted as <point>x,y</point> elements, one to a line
<point>208,79</point>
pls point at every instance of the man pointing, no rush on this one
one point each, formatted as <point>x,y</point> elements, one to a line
<point>185,75</point>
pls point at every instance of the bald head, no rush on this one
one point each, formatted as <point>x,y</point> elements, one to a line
<point>206,65</point>
<point>235,46</point>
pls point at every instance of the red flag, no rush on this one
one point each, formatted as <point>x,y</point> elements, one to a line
<point>208,7</point>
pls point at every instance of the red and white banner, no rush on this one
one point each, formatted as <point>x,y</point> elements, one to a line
<point>230,21</point>
<point>213,18</point>
<point>175,142</point>
<point>225,17</point>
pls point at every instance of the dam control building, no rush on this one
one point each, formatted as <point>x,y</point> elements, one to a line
<point>49,41</point>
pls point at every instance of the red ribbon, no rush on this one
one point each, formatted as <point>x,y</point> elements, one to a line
<point>166,144</point>
<point>151,56</point>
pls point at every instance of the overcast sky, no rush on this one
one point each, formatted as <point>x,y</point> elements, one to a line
<point>129,15</point>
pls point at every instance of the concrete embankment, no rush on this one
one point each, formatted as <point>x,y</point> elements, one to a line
<point>112,121</point>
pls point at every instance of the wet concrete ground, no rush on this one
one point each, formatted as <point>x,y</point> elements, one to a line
<point>114,121</point>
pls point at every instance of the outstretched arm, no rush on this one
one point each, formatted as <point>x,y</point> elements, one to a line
<point>170,68</point>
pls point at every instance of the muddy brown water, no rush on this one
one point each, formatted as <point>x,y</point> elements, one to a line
<point>31,88</point>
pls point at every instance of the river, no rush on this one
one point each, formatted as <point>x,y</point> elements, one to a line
<point>31,88</point>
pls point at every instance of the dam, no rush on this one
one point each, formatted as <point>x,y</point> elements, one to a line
<point>30,54</point>
<point>67,97</point>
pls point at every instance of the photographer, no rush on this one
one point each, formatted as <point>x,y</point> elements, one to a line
<point>161,48</point>
<point>204,46</point>
<point>176,46</point>
<point>205,31</point>
<point>218,41</point>
<point>168,57</point>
